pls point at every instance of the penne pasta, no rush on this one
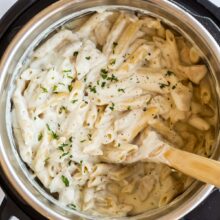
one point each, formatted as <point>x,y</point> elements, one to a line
<point>90,102</point>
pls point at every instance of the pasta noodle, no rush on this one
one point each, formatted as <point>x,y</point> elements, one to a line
<point>94,96</point>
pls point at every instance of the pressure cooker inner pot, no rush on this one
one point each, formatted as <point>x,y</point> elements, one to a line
<point>70,14</point>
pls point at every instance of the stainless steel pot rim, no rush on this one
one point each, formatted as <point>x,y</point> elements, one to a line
<point>7,167</point>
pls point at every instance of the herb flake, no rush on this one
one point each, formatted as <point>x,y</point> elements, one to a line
<point>113,78</point>
<point>75,53</point>
<point>64,154</point>
<point>89,137</point>
<point>63,109</point>
<point>92,88</point>
<point>67,71</point>
<point>53,134</point>
<point>44,89</point>
<point>112,106</point>
<point>163,85</point>
<point>71,206</point>
<point>121,90</point>
<point>71,139</point>
<point>103,84</point>
<point>70,87</point>
<point>54,88</point>
<point>112,61</point>
<point>114,45</point>
<point>61,147</point>
<point>169,73</point>
<point>104,73</point>
<point>65,181</point>
<point>40,136</point>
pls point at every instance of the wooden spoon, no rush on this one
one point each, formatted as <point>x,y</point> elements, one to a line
<point>155,149</point>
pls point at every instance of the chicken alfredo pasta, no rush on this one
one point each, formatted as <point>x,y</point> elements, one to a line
<point>85,101</point>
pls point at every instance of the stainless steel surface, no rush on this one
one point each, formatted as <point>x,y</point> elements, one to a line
<point>39,27</point>
<point>210,25</point>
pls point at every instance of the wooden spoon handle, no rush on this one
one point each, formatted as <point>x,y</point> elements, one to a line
<point>201,168</point>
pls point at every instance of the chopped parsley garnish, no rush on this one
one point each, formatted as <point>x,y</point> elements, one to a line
<point>67,71</point>
<point>112,61</point>
<point>61,84</point>
<point>104,73</point>
<point>113,78</point>
<point>70,77</point>
<point>119,144</point>
<point>62,109</point>
<point>70,87</point>
<point>48,127</point>
<point>80,164</point>
<point>90,137</point>
<point>112,106</point>
<point>44,89</point>
<point>103,84</point>
<point>114,45</point>
<point>71,139</point>
<point>92,88</point>
<point>74,101</point>
<point>46,160</point>
<point>121,90</point>
<point>173,87</point>
<point>61,147</point>
<point>53,134</point>
<point>65,181</point>
<point>40,136</point>
<point>72,206</point>
<point>88,58</point>
<point>169,73</point>
<point>163,85</point>
<point>82,141</point>
<point>54,88</point>
<point>75,53</point>
<point>129,108</point>
<point>64,154</point>
<point>85,78</point>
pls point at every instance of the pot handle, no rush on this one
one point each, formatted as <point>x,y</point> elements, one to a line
<point>214,8</point>
<point>8,210</point>
<point>210,25</point>
<point>207,22</point>
<point>13,13</point>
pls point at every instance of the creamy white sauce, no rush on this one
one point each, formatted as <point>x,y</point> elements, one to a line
<point>85,103</point>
